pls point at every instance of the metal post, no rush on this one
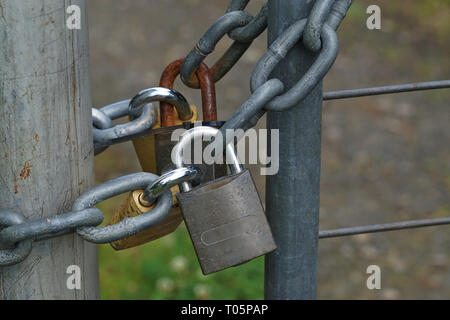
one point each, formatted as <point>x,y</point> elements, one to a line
<point>46,150</point>
<point>292,196</point>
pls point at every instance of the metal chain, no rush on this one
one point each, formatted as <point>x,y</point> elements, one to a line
<point>128,226</point>
<point>317,33</point>
<point>19,234</point>
<point>142,114</point>
<point>267,94</point>
<point>317,18</point>
<point>241,26</point>
<point>22,249</point>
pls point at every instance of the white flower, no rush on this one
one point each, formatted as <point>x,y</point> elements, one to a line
<point>165,285</point>
<point>179,264</point>
<point>202,291</point>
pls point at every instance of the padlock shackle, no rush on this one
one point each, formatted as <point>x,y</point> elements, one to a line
<point>208,91</point>
<point>171,96</point>
<point>198,132</point>
<point>169,180</point>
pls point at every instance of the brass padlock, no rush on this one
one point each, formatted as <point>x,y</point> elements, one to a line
<point>138,203</point>
<point>224,217</point>
<point>133,206</point>
<point>145,148</point>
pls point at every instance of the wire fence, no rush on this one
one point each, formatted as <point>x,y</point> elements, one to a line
<point>393,226</point>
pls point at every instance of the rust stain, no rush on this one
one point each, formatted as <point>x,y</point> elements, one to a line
<point>36,138</point>
<point>204,76</point>
<point>26,171</point>
<point>16,189</point>
<point>67,135</point>
<point>50,20</point>
<point>6,156</point>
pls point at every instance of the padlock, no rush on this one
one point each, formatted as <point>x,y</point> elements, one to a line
<point>150,151</point>
<point>138,203</point>
<point>163,142</point>
<point>225,217</point>
<point>154,151</point>
<point>132,206</point>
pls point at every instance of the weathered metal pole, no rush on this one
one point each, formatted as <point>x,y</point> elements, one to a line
<point>292,196</point>
<point>46,151</point>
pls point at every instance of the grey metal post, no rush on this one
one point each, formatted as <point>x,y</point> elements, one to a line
<point>292,196</point>
<point>46,151</point>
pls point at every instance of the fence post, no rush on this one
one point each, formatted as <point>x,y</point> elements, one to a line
<point>46,151</point>
<point>292,196</point>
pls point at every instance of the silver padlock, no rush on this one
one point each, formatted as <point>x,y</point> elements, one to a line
<point>224,217</point>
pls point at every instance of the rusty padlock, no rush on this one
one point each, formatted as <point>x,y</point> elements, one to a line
<point>154,151</point>
<point>224,217</point>
<point>163,142</point>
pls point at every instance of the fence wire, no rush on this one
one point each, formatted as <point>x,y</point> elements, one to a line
<point>393,226</point>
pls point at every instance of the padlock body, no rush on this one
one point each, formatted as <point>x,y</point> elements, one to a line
<point>132,208</point>
<point>226,222</point>
<point>164,146</point>
<point>148,152</point>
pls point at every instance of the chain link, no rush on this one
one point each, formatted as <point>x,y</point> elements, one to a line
<point>22,249</point>
<point>103,138</point>
<point>141,112</point>
<point>240,26</point>
<point>207,44</point>
<point>129,226</point>
<point>50,227</point>
<point>279,49</point>
<point>317,18</point>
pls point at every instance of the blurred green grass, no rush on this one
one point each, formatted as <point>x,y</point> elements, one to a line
<point>169,269</point>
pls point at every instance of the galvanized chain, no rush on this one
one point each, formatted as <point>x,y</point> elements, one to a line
<point>267,94</point>
<point>317,33</point>
<point>241,26</point>
<point>18,234</point>
<point>141,113</point>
